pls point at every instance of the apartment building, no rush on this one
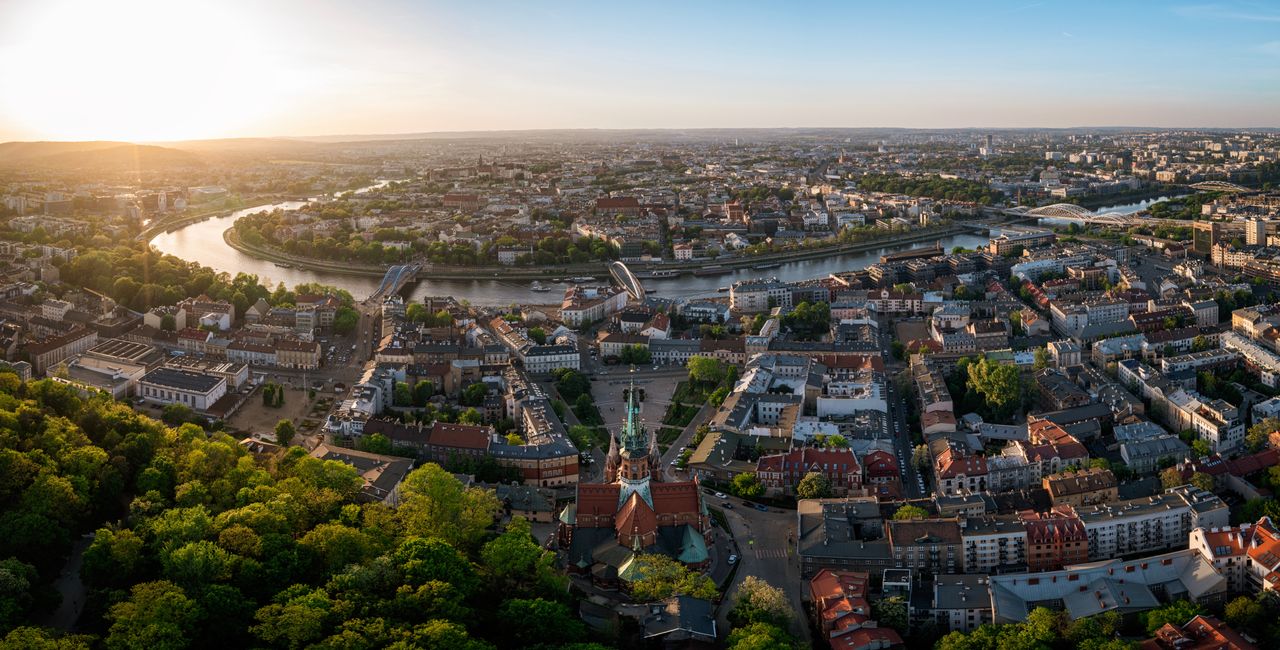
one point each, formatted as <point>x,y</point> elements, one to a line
<point>1150,524</point>
<point>991,543</point>
<point>753,296</point>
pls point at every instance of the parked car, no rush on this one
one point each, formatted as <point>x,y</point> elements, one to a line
<point>733,559</point>
<point>760,508</point>
<point>720,495</point>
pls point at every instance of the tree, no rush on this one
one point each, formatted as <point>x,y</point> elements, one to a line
<point>1201,448</point>
<point>1202,481</point>
<point>474,394</point>
<point>1171,478</point>
<point>177,414</point>
<point>376,444</point>
<point>659,577</point>
<point>422,392</point>
<point>1258,434</point>
<point>168,323</point>
<point>998,385</point>
<point>837,441</point>
<point>760,602</point>
<point>706,370</point>
<point>435,504</point>
<point>909,511</point>
<point>538,335</point>
<point>402,395</point>
<point>891,612</point>
<point>156,615</point>
<point>296,619</point>
<point>470,416</point>
<point>345,321</point>
<point>337,546</point>
<point>1177,613</point>
<point>1042,359</point>
<point>17,580</point>
<point>814,485</point>
<point>285,432</point>
<point>1245,613</point>
<point>759,636</point>
<point>537,621</point>
<point>747,486</point>
<point>635,355</point>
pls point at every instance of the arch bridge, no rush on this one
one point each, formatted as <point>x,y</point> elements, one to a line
<point>1219,186</point>
<point>396,277</point>
<point>627,280</point>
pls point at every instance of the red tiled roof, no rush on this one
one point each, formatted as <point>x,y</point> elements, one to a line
<point>880,463</point>
<point>635,516</point>
<point>466,436</point>
<point>675,498</point>
<point>611,203</point>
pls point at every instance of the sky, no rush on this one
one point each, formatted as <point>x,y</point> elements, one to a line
<point>158,70</point>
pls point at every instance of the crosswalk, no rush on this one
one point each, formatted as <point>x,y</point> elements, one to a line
<point>770,553</point>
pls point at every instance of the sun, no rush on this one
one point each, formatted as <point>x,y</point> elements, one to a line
<point>139,70</point>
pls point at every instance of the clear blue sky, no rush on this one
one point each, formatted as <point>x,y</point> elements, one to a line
<point>295,67</point>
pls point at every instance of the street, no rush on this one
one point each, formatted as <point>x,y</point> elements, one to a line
<point>912,483</point>
<point>767,551</point>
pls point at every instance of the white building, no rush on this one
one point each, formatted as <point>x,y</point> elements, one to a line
<point>169,386</point>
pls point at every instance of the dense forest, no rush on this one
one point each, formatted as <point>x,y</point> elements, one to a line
<point>934,187</point>
<point>193,542</point>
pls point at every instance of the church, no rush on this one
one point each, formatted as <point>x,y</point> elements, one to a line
<point>636,512</point>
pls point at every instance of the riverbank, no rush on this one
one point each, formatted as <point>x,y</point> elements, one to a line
<point>598,269</point>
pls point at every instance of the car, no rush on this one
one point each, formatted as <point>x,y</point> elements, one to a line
<point>721,495</point>
<point>727,505</point>
<point>733,559</point>
<point>760,507</point>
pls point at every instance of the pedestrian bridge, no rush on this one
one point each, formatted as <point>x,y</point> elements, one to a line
<point>627,280</point>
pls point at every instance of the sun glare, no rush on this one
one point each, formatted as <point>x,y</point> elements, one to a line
<point>140,70</point>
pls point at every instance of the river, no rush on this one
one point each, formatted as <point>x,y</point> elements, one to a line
<point>202,242</point>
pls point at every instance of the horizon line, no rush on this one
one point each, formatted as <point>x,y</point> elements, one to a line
<point>416,134</point>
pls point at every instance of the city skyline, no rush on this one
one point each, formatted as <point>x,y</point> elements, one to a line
<point>148,71</point>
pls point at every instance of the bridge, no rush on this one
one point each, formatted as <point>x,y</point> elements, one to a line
<point>627,280</point>
<point>1072,212</point>
<point>1220,186</point>
<point>397,276</point>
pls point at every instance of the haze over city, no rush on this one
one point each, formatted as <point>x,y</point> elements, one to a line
<point>149,70</point>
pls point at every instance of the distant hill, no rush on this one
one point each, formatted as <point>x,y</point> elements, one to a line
<point>97,154</point>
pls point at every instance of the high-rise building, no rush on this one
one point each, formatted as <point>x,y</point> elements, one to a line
<point>1255,232</point>
<point>1204,236</point>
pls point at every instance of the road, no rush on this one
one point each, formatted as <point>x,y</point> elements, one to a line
<point>766,541</point>
<point>71,588</point>
<point>911,480</point>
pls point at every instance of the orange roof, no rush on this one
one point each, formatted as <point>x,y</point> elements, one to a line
<point>864,638</point>
<point>675,497</point>
<point>635,516</point>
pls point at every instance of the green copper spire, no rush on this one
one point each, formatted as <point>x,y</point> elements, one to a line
<point>632,438</point>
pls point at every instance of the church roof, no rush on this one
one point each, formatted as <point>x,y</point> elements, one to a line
<point>627,487</point>
<point>693,549</point>
<point>636,516</point>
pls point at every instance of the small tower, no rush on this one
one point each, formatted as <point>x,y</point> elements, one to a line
<point>612,460</point>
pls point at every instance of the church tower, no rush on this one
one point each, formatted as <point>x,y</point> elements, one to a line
<point>635,456</point>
